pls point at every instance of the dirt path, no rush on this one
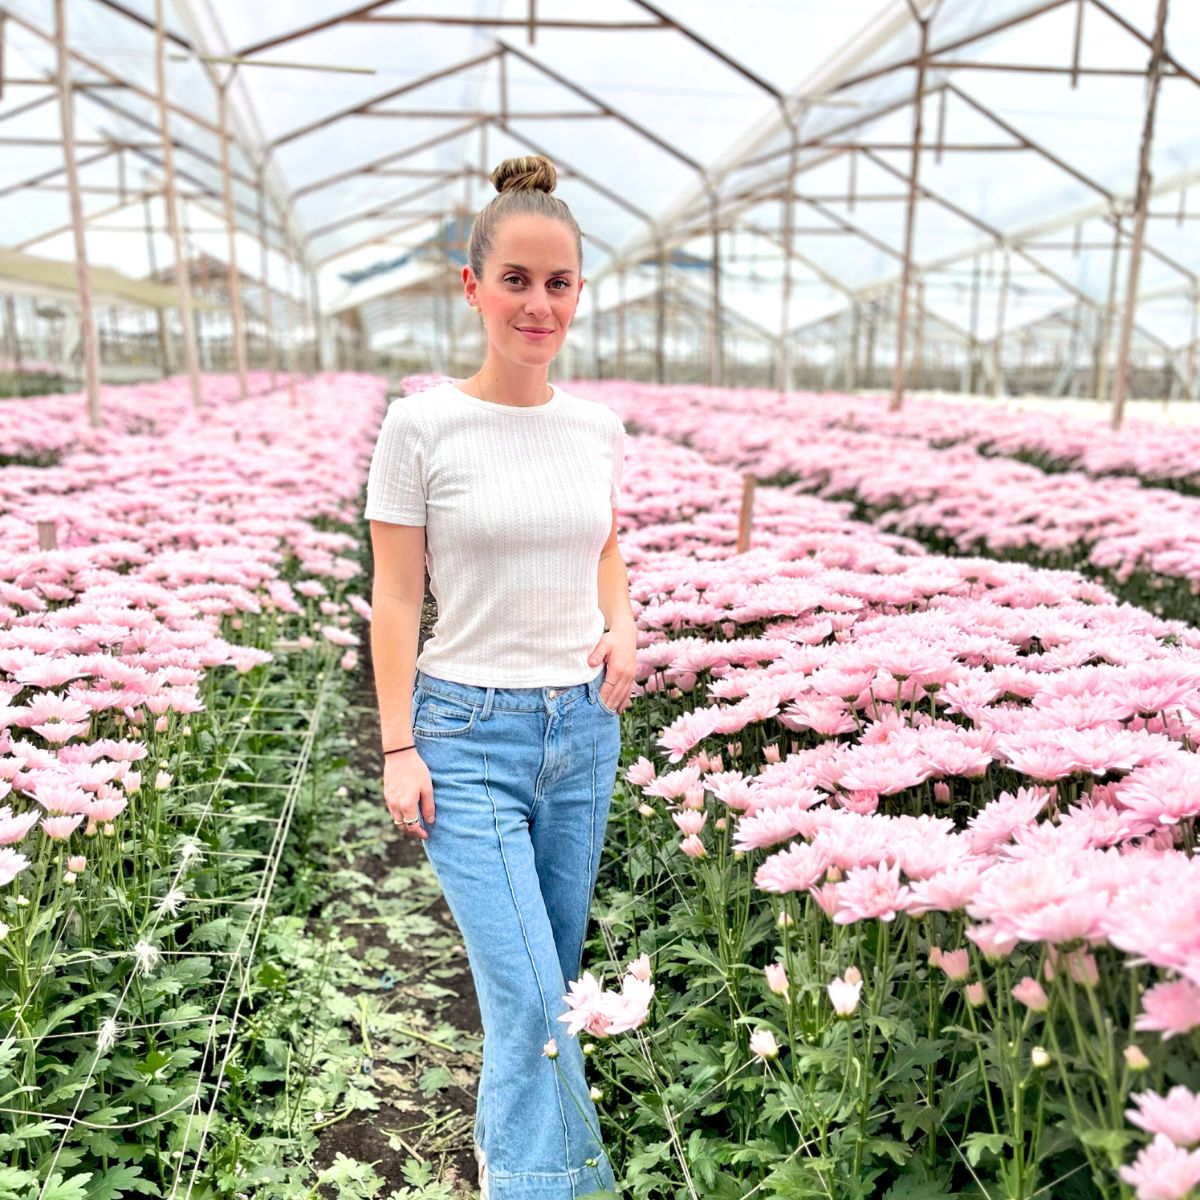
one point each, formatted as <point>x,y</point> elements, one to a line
<point>421,1022</point>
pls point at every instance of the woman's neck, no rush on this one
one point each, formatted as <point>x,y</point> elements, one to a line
<point>504,382</point>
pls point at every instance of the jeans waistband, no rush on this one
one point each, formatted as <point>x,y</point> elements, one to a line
<point>530,699</point>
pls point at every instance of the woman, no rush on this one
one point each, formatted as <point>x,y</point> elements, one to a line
<point>511,731</point>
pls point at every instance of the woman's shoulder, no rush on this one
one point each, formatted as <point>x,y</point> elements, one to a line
<point>605,418</point>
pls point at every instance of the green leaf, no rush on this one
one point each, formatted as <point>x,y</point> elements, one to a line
<point>434,1079</point>
<point>976,1145</point>
<point>116,1181</point>
<point>60,1188</point>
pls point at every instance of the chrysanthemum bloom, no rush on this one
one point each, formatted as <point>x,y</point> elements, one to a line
<point>777,979</point>
<point>1163,1171</point>
<point>1171,1008</point>
<point>844,996</point>
<point>1177,1114</point>
<point>690,821</point>
<point>975,994</point>
<point>1031,994</point>
<point>640,967</point>
<point>763,1045</point>
<point>60,828</point>
<point>870,892</point>
<point>550,1049</point>
<point>1039,1059</point>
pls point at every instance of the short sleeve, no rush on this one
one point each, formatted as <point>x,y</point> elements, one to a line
<point>396,480</point>
<point>618,460</point>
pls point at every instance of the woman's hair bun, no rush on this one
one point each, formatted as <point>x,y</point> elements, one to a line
<point>530,173</point>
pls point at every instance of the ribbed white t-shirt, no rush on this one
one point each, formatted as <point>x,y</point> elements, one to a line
<point>517,504</point>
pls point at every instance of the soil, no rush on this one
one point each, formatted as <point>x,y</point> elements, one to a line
<point>425,984</point>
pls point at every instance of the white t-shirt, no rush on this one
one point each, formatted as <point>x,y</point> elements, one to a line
<point>517,505</point>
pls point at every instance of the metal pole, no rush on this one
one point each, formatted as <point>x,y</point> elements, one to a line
<point>784,365</point>
<point>660,317</point>
<point>714,323</point>
<point>1121,381</point>
<point>1104,330</point>
<point>911,220</point>
<point>621,371</point>
<point>12,335</point>
<point>264,270</point>
<point>318,323</point>
<point>1001,305</point>
<point>161,319</point>
<point>91,351</point>
<point>235,283</point>
<point>181,267</point>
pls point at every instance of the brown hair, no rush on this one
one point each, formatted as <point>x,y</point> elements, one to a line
<point>524,185</point>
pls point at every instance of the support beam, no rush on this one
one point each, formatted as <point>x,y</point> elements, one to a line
<point>182,278</point>
<point>91,349</point>
<point>235,283</point>
<point>1141,204</point>
<point>910,219</point>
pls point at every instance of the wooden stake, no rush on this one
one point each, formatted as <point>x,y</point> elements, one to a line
<point>746,515</point>
<point>91,351</point>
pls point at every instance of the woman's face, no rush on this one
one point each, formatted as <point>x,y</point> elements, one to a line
<point>529,290</point>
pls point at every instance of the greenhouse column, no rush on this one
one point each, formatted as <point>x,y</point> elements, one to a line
<point>1142,202</point>
<point>91,355</point>
<point>235,284</point>
<point>182,277</point>
<point>264,269</point>
<point>911,219</point>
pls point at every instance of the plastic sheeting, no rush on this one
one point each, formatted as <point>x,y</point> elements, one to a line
<point>1029,158</point>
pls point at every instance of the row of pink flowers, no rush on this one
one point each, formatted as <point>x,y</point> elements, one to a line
<point>169,521</point>
<point>970,500</point>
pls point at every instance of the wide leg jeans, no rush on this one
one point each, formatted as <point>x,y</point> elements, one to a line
<point>522,781</point>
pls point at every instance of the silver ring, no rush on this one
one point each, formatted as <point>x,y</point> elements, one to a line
<point>413,821</point>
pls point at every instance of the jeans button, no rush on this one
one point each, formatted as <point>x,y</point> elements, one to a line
<point>553,693</point>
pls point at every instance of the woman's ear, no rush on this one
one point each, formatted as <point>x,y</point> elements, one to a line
<point>470,284</point>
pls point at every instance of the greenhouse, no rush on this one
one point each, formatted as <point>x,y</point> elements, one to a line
<point>723,478</point>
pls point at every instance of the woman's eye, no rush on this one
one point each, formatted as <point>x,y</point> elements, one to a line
<point>512,279</point>
<point>556,282</point>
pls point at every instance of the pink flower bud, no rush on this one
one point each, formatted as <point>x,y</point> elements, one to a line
<point>763,1045</point>
<point>1031,994</point>
<point>776,978</point>
<point>956,964</point>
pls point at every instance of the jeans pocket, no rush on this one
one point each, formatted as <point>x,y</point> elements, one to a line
<point>438,717</point>
<point>611,711</point>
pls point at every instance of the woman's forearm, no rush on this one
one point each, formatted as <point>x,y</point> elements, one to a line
<point>612,586</point>
<point>395,628</point>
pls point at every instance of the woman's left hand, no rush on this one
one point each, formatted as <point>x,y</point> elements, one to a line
<point>617,649</point>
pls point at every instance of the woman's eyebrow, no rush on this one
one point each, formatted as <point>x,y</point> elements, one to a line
<point>518,267</point>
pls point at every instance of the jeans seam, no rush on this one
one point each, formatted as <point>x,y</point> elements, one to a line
<point>532,962</point>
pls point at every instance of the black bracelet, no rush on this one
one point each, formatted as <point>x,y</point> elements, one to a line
<point>399,748</point>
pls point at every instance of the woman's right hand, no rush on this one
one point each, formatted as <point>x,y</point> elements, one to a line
<point>407,786</point>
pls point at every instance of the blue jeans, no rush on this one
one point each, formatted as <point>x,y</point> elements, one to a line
<point>522,780</point>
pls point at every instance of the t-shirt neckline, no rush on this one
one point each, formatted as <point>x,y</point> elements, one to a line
<point>524,409</point>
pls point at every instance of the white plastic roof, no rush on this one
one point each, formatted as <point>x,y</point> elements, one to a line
<point>643,118</point>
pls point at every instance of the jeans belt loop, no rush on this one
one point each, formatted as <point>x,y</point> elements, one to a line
<point>487,704</point>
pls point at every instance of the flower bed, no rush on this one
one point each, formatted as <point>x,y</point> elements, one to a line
<point>1142,542</point>
<point>901,896</point>
<point>146,794</point>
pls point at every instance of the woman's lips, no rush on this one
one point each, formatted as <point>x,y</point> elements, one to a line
<point>534,334</point>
